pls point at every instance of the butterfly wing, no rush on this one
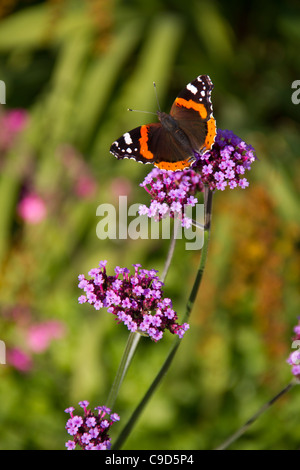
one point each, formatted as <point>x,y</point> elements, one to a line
<point>193,111</point>
<point>151,143</point>
<point>195,130</point>
<point>129,146</point>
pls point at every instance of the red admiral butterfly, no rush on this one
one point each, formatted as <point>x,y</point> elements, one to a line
<point>170,144</point>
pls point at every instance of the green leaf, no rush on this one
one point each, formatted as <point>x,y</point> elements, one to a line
<point>99,81</point>
<point>33,27</point>
<point>163,36</point>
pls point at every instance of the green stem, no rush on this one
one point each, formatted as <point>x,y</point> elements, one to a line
<point>171,250</point>
<point>137,412</point>
<point>208,194</point>
<point>166,365</point>
<point>130,348</point>
<point>250,421</point>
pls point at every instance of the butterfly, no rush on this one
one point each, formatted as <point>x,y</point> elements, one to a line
<point>171,143</point>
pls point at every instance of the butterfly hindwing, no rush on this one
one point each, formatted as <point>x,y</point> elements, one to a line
<point>167,153</point>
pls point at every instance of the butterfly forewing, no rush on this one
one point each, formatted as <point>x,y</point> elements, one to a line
<point>192,109</point>
<point>129,145</point>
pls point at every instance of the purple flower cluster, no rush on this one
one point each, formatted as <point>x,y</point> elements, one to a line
<point>90,432</point>
<point>171,192</point>
<point>225,164</point>
<point>136,300</point>
<point>294,357</point>
<point>222,166</point>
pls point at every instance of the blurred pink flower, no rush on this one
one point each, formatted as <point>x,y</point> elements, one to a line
<point>16,120</point>
<point>11,123</point>
<point>85,186</point>
<point>40,335</point>
<point>32,208</point>
<point>19,359</point>
<point>121,186</point>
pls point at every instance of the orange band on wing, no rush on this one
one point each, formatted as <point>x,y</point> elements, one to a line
<point>192,105</point>
<point>143,144</point>
<point>211,133</point>
<point>174,166</point>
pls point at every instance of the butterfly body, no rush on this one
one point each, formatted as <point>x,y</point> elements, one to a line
<point>171,125</point>
<point>171,144</point>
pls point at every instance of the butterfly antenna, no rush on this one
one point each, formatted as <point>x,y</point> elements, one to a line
<point>147,112</point>
<point>154,84</point>
<point>139,111</point>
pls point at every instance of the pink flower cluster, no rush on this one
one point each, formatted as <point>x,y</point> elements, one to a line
<point>225,164</point>
<point>90,432</point>
<point>294,357</point>
<point>171,193</point>
<point>136,300</point>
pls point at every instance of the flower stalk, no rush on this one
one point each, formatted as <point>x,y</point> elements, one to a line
<point>128,354</point>
<point>208,195</point>
<point>250,421</point>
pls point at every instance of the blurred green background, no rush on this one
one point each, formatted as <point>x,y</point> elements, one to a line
<point>71,70</point>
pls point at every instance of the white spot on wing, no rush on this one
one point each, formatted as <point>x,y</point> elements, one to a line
<point>127,138</point>
<point>192,88</point>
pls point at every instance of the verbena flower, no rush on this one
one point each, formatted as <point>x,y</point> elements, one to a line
<point>136,300</point>
<point>222,166</point>
<point>90,432</point>
<point>294,357</point>
<point>171,193</point>
<point>225,164</point>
